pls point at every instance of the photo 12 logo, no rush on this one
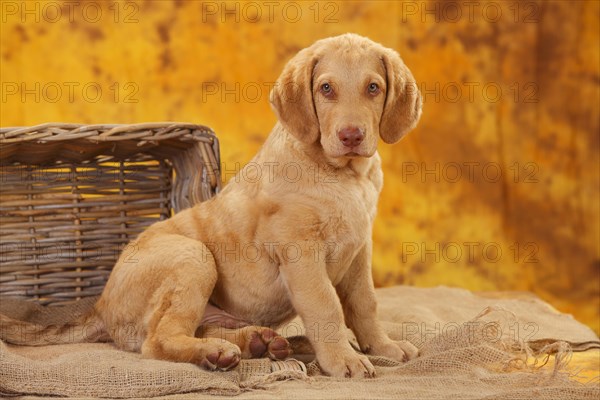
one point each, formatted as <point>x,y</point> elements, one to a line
<point>469,333</point>
<point>469,171</point>
<point>471,11</point>
<point>269,171</point>
<point>71,92</point>
<point>287,252</point>
<point>470,252</point>
<point>269,11</point>
<point>473,92</point>
<point>92,12</point>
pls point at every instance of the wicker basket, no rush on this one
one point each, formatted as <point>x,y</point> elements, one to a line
<point>72,197</point>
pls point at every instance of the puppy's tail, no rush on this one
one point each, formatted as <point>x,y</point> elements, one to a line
<point>87,328</point>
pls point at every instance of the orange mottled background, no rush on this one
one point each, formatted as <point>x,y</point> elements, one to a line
<point>497,188</point>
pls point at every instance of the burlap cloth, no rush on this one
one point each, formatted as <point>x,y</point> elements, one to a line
<point>472,347</point>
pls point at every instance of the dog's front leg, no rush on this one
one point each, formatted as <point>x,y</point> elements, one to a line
<point>357,294</point>
<point>315,300</point>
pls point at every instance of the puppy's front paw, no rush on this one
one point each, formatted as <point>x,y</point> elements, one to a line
<point>396,350</point>
<point>347,364</point>
<point>410,350</point>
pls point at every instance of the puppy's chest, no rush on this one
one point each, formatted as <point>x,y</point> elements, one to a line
<point>348,227</point>
<point>349,223</point>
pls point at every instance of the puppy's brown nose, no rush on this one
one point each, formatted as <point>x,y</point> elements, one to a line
<point>351,136</point>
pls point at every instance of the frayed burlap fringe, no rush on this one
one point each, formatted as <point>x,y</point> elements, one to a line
<point>481,360</point>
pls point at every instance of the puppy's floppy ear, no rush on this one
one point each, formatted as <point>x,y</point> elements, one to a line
<point>403,102</point>
<point>292,97</point>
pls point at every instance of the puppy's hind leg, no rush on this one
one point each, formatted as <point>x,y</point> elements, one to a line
<point>188,278</point>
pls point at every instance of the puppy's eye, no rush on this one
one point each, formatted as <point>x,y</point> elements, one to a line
<point>326,88</point>
<point>373,88</point>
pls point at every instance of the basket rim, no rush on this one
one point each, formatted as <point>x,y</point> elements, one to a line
<point>145,131</point>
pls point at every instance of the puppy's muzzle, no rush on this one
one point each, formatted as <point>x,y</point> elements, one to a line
<point>351,136</point>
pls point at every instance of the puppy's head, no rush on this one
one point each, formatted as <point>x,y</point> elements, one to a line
<point>345,92</point>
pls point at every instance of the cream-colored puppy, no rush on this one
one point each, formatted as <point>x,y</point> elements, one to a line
<point>207,285</point>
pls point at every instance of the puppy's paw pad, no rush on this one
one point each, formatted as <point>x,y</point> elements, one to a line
<point>257,346</point>
<point>279,348</point>
<point>222,360</point>
<point>267,342</point>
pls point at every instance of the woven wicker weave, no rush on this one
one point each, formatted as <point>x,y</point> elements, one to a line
<point>72,196</point>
